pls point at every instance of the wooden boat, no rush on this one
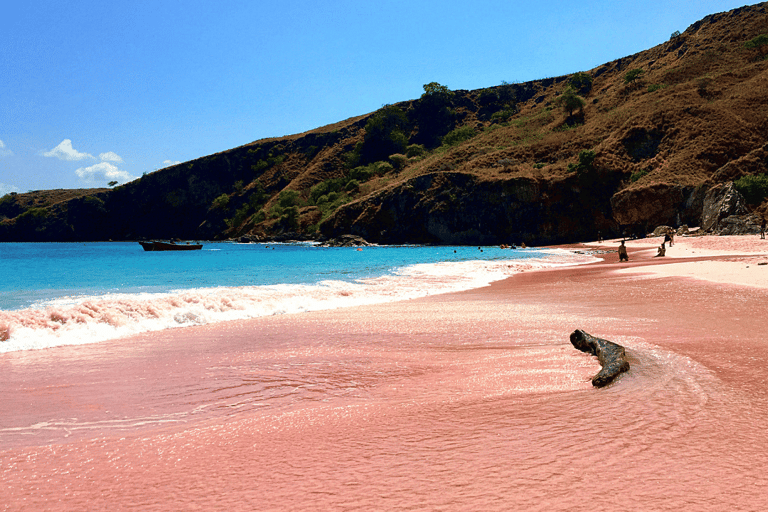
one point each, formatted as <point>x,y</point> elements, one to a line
<point>170,246</point>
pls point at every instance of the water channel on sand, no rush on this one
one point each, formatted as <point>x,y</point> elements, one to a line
<point>467,401</point>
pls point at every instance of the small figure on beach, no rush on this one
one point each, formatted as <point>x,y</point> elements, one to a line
<point>762,229</point>
<point>623,256</point>
<point>669,237</point>
<point>662,250</point>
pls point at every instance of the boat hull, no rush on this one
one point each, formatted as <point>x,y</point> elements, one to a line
<point>166,246</point>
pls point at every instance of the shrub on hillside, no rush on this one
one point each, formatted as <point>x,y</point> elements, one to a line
<point>95,206</point>
<point>260,216</point>
<point>221,202</point>
<point>352,186</point>
<point>581,82</point>
<point>385,134</point>
<point>435,90</point>
<point>32,216</point>
<point>328,191</point>
<point>398,160</point>
<point>241,214</point>
<point>318,191</point>
<point>262,165</point>
<point>258,195</point>
<point>276,211</point>
<point>458,135</point>
<point>507,94</point>
<point>570,101</point>
<point>288,198</point>
<point>327,204</point>
<point>434,114</point>
<point>633,75</point>
<point>754,188</point>
<point>7,205</point>
<point>759,43</point>
<point>415,150</point>
<point>290,217</point>
<point>364,172</point>
<point>503,115</point>
<point>586,162</point>
<point>637,175</point>
<point>487,97</point>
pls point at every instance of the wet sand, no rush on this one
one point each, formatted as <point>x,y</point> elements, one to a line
<point>466,401</point>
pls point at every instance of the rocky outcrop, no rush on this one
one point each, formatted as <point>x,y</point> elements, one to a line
<point>346,241</point>
<point>656,205</point>
<point>612,357</point>
<point>721,201</point>
<point>739,225</point>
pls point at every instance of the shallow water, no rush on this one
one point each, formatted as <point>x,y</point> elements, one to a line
<point>469,401</point>
<point>64,294</point>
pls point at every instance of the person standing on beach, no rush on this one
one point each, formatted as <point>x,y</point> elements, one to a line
<point>762,229</point>
<point>623,256</point>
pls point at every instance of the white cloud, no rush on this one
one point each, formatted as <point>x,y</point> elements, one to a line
<point>103,172</point>
<point>65,151</point>
<point>6,189</point>
<point>110,157</point>
<point>168,163</point>
<point>4,151</point>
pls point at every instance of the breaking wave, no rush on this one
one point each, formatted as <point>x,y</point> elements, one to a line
<point>81,320</point>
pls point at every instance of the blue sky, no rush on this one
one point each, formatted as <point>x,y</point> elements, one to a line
<point>95,91</point>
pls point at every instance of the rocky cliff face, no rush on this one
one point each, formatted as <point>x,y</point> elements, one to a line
<point>506,164</point>
<point>461,209</point>
<point>643,208</point>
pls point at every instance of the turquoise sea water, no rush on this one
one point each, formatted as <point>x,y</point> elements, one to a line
<point>34,273</point>
<point>64,293</point>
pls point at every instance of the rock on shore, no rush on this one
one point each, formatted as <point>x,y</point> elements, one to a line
<point>611,356</point>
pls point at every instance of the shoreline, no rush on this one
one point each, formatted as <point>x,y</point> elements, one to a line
<point>462,401</point>
<point>96,319</point>
<point>733,259</point>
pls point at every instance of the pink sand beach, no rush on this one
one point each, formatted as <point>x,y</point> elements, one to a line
<point>466,401</point>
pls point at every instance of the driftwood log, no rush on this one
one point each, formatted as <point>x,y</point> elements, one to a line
<point>611,356</point>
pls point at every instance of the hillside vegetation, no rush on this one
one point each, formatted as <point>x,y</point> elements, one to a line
<point>621,148</point>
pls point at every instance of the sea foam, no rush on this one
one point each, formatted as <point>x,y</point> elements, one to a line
<point>81,320</point>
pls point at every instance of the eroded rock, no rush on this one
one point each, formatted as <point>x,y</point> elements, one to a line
<point>721,201</point>
<point>346,241</point>
<point>612,357</point>
<point>739,225</point>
